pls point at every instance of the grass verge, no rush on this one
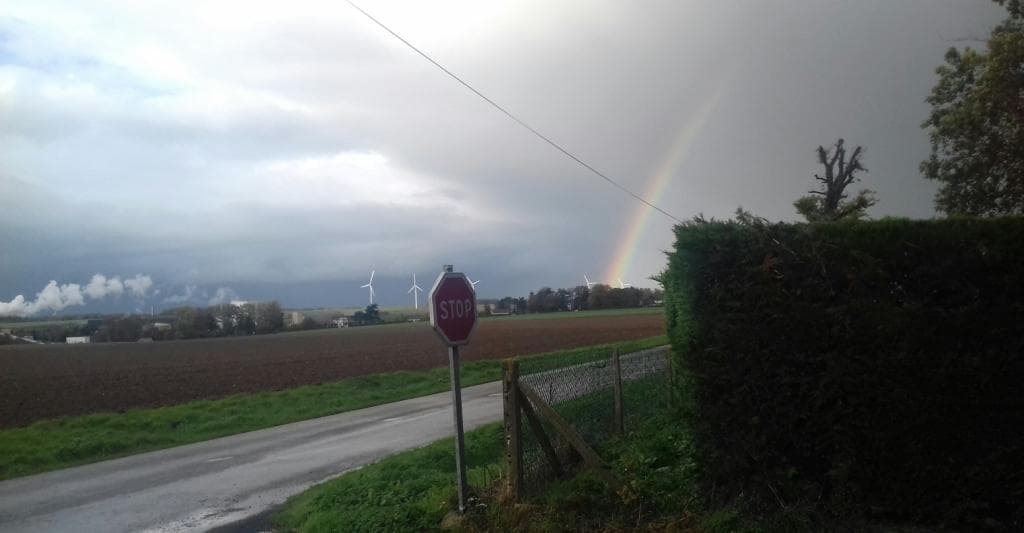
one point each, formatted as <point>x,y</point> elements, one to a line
<point>581,314</point>
<point>414,491</point>
<point>410,491</point>
<point>64,442</point>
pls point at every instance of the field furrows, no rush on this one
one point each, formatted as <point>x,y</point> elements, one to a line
<point>47,381</point>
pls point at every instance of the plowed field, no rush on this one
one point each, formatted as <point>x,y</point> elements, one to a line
<point>46,381</point>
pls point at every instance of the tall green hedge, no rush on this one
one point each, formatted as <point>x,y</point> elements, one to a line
<point>872,369</point>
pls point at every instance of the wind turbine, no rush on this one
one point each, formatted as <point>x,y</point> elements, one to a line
<point>370,286</point>
<point>589,283</point>
<point>473,283</point>
<point>621,284</point>
<point>415,290</point>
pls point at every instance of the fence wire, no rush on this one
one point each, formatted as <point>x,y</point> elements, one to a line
<point>583,394</point>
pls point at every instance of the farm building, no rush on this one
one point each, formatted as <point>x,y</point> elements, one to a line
<point>295,317</point>
<point>340,322</point>
<point>78,340</point>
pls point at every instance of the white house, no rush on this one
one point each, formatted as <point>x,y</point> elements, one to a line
<point>77,340</point>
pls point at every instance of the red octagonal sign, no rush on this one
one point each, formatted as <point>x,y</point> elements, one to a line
<point>453,308</point>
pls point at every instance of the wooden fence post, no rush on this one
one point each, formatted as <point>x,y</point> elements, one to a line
<point>542,438</point>
<point>617,383</point>
<point>570,435</point>
<point>513,437</point>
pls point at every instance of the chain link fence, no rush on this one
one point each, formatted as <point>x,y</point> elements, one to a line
<point>590,399</point>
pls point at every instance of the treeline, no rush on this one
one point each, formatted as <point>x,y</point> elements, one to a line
<point>254,318</point>
<point>580,298</point>
<point>57,332</point>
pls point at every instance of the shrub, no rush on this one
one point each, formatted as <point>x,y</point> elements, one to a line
<point>872,369</point>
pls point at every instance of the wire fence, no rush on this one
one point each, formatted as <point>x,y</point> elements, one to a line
<point>558,417</point>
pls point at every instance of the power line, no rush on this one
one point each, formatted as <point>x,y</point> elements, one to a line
<point>509,114</point>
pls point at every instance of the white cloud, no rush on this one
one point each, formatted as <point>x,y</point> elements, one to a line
<point>139,285</point>
<point>100,287</point>
<point>57,297</point>
<point>222,296</point>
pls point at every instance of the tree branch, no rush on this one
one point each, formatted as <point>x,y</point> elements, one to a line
<point>839,149</point>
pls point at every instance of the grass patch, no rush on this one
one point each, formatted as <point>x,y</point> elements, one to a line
<point>415,490</point>
<point>654,463</point>
<point>42,324</point>
<point>70,441</point>
<point>581,314</point>
<point>410,491</point>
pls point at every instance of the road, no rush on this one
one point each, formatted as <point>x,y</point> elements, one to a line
<point>233,479</point>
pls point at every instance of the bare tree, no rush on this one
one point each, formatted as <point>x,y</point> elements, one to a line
<point>829,203</point>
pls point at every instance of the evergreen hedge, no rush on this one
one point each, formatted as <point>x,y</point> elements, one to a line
<point>869,369</point>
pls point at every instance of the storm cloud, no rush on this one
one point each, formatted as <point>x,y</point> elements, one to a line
<point>271,148</point>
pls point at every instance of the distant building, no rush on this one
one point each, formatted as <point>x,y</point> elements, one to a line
<point>161,326</point>
<point>340,322</point>
<point>295,317</point>
<point>78,340</point>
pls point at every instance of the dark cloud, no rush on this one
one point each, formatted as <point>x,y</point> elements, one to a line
<point>284,153</point>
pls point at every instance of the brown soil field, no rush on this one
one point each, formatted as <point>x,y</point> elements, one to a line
<point>47,381</point>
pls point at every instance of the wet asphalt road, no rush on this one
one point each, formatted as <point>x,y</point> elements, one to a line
<point>232,481</point>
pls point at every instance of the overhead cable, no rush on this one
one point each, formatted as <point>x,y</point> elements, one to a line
<point>509,114</point>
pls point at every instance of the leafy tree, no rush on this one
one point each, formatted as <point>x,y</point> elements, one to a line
<point>370,315</point>
<point>227,317</point>
<point>830,203</point>
<point>976,125</point>
<point>580,298</point>
<point>184,324</point>
<point>599,297</point>
<point>269,317</point>
<point>246,323</point>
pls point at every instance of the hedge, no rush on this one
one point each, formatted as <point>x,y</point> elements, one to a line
<point>870,370</point>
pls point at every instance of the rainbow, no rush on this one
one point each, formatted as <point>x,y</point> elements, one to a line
<point>626,247</point>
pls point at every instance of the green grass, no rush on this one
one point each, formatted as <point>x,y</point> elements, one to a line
<point>42,324</point>
<point>655,464</point>
<point>410,491</point>
<point>414,490</point>
<point>60,443</point>
<point>582,314</point>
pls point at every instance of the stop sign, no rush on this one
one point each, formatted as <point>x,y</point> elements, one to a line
<point>453,308</point>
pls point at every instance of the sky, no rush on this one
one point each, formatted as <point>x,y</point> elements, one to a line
<point>211,151</point>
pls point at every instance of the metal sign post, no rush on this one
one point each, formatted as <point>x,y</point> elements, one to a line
<point>460,439</point>
<point>453,317</point>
